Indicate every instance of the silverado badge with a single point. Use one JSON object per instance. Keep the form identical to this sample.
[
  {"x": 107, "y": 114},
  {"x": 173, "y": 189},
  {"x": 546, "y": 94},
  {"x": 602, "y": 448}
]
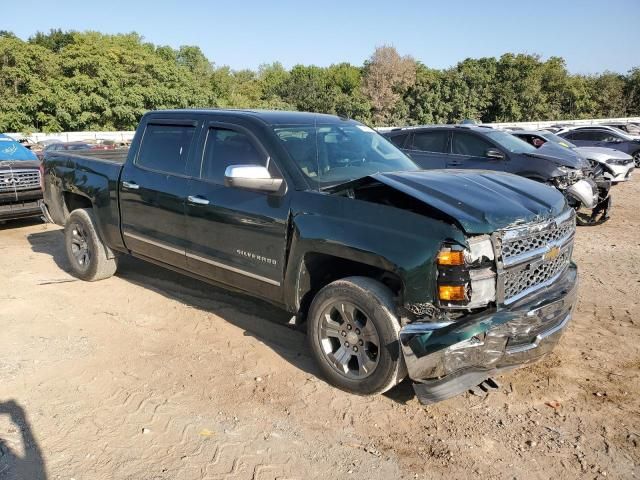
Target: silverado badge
[{"x": 552, "y": 254}]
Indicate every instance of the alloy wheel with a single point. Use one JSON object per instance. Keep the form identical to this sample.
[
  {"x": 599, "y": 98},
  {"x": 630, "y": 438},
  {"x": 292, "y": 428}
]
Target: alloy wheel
[
  {"x": 80, "y": 246},
  {"x": 349, "y": 340}
]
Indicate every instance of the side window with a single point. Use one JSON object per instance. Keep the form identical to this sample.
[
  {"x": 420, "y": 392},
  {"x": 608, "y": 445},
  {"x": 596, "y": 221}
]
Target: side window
[
  {"x": 398, "y": 140},
  {"x": 573, "y": 136},
  {"x": 431, "y": 141},
  {"x": 165, "y": 148},
  {"x": 610, "y": 137},
  {"x": 224, "y": 148},
  {"x": 469, "y": 144}
]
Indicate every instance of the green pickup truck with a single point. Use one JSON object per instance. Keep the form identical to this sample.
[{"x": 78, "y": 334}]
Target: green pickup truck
[{"x": 447, "y": 277}]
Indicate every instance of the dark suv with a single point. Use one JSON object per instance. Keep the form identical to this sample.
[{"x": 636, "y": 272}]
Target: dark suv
[
  {"x": 483, "y": 148},
  {"x": 604, "y": 137}
]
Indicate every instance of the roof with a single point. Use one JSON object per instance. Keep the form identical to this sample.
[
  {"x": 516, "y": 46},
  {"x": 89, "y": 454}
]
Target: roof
[
  {"x": 477, "y": 128},
  {"x": 273, "y": 117},
  {"x": 528, "y": 132}
]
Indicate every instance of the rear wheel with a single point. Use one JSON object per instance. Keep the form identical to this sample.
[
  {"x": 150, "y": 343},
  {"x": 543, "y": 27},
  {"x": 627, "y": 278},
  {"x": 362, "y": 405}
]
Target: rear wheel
[
  {"x": 354, "y": 336},
  {"x": 86, "y": 252}
]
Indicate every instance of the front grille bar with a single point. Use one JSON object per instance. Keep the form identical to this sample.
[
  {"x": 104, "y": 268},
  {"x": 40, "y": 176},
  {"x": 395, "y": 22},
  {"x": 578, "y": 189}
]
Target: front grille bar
[
  {"x": 19, "y": 179},
  {"x": 532, "y": 257}
]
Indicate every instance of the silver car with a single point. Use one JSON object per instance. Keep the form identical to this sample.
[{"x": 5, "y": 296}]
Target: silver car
[{"x": 617, "y": 165}]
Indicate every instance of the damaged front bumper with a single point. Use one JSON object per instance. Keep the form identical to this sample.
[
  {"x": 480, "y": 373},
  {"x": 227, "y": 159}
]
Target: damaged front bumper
[
  {"x": 620, "y": 173},
  {"x": 447, "y": 358}
]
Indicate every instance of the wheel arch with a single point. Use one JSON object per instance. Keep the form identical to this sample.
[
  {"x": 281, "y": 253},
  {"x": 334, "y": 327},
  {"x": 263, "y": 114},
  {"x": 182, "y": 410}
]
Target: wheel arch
[{"x": 318, "y": 269}]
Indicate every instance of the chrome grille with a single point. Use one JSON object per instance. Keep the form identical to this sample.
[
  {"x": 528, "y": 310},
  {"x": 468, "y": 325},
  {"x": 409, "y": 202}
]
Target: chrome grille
[
  {"x": 12, "y": 180},
  {"x": 544, "y": 273},
  {"x": 533, "y": 256},
  {"x": 518, "y": 246}
]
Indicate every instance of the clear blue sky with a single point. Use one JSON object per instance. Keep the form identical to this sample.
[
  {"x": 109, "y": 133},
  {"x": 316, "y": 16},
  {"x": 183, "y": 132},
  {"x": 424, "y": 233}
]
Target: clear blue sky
[{"x": 592, "y": 35}]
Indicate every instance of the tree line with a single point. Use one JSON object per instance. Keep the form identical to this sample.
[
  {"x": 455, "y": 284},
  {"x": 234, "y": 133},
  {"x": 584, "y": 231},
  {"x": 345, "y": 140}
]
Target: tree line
[{"x": 75, "y": 81}]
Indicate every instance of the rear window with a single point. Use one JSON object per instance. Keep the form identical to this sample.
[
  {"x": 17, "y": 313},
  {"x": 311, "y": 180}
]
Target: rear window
[
  {"x": 399, "y": 140},
  {"x": 431, "y": 141},
  {"x": 165, "y": 148}
]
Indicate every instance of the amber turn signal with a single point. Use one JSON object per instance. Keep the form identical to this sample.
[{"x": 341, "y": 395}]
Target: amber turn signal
[
  {"x": 450, "y": 257},
  {"x": 451, "y": 293}
]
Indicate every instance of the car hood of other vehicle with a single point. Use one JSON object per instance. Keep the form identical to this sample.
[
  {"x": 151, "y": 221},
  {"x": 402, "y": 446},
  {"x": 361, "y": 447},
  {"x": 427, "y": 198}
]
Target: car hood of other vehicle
[
  {"x": 10, "y": 150},
  {"x": 561, "y": 156},
  {"x": 480, "y": 201},
  {"x": 602, "y": 153}
]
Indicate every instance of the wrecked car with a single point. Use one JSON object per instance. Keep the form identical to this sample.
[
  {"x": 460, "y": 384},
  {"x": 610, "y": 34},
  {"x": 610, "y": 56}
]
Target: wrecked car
[
  {"x": 443, "y": 276},
  {"x": 480, "y": 147}
]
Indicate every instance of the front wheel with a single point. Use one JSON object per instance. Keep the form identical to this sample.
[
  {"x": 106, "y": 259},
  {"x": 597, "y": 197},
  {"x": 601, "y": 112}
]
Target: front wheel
[
  {"x": 354, "y": 336},
  {"x": 86, "y": 252},
  {"x": 636, "y": 158}
]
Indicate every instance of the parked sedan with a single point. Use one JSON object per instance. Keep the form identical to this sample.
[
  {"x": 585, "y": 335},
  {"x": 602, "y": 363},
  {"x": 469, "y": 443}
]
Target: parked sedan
[
  {"x": 64, "y": 146},
  {"x": 476, "y": 147},
  {"x": 629, "y": 127},
  {"x": 616, "y": 165},
  {"x": 602, "y": 136}
]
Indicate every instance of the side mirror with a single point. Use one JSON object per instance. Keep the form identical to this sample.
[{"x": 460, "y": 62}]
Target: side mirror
[
  {"x": 494, "y": 153},
  {"x": 251, "y": 177}
]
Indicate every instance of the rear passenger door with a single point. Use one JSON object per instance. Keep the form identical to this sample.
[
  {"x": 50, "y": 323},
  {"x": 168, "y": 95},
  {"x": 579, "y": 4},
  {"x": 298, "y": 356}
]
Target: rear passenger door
[
  {"x": 469, "y": 150},
  {"x": 429, "y": 149},
  {"x": 153, "y": 192},
  {"x": 235, "y": 236},
  {"x": 581, "y": 138}
]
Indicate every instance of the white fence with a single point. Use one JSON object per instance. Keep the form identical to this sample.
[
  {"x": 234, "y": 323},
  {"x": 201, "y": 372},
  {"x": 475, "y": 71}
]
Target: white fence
[
  {"x": 76, "y": 136},
  {"x": 547, "y": 123},
  {"x": 542, "y": 125},
  {"x": 127, "y": 136}
]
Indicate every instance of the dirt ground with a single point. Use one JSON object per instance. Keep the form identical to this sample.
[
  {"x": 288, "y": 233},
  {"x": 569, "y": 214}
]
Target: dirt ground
[{"x": 151, "y": 375}]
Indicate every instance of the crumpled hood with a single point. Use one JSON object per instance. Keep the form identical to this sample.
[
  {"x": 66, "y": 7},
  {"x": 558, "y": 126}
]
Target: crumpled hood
[
  {"x": 559, "y": 155},
  {"x": 602, "y": 153},
  {"x": 480, "y": 201}
]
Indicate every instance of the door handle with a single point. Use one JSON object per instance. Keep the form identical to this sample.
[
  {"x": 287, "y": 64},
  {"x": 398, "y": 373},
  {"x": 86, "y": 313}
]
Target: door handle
[
  {"x": 197, "y": 200},
  {"x": 454, "y": 163},
  {"x": 131, "y": 185}
]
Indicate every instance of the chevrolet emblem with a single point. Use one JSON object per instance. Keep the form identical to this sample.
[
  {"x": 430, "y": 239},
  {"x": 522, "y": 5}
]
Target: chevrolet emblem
[{"x": 551, "y": 254}]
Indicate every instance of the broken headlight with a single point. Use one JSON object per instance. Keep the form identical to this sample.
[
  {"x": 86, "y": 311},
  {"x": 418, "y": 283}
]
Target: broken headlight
[
  {"x": 466, "y": 276},
  {"x": 568, "y": 176}
]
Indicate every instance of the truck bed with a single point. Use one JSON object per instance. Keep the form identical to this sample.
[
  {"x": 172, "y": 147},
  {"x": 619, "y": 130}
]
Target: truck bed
[{"x": 85, "y": 174}]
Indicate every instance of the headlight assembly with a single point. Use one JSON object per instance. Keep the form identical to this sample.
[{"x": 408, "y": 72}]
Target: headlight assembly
[{"x": 466, "y": 276}]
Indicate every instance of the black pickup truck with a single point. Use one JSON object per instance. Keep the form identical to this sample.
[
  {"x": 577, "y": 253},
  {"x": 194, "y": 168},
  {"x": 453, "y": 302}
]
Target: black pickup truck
[{"x": 447, "y": 276}]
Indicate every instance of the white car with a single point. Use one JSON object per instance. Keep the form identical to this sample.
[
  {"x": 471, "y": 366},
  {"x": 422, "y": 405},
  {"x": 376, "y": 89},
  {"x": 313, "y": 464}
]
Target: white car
[{"x": 617, "y": 165}]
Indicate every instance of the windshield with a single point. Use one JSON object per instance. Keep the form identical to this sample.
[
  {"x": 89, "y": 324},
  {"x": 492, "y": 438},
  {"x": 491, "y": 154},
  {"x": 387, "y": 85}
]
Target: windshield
[
  {"x": 10, "y": 150},
  {"x": 552, "y": 137},
  {"x": 510, "y": 142},
  {"x": 329, "y": 154}
]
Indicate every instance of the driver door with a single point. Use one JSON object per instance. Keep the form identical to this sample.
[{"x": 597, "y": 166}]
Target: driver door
[
  {"x": 235, "y": 236},
  {"x": 469, "y": 150}
]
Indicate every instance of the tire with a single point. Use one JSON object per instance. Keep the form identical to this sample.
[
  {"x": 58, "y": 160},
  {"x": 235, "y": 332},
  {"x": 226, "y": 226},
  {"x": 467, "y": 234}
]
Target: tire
[
  {"x": 86, "y": 252},
  {"x": 351, "y": 310},
  {"x": 636, "y": 158}
]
